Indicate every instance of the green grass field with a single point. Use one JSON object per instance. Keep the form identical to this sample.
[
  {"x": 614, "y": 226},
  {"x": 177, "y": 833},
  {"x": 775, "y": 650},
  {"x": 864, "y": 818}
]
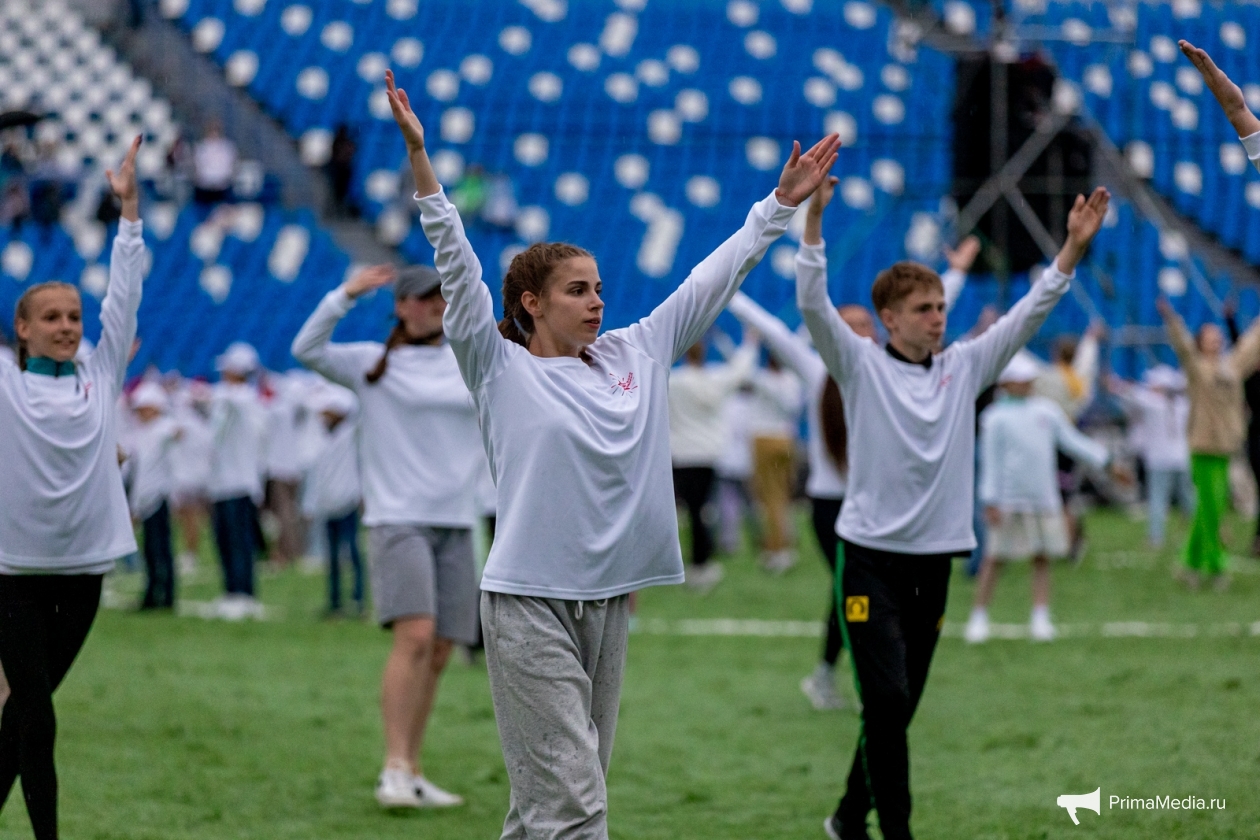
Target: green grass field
[{"x": 186, "y": 728}]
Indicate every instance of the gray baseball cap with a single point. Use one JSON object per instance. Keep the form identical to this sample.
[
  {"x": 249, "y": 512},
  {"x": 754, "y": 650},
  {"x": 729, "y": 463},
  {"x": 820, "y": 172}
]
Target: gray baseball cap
[{"x": 416, "y": 281}]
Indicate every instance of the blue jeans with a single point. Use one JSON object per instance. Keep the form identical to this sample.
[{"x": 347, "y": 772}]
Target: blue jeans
[
  {"x": 234, "y": 535},
  {"x": 344, "y": 531},
  {"x": 1161, "y": 485}
]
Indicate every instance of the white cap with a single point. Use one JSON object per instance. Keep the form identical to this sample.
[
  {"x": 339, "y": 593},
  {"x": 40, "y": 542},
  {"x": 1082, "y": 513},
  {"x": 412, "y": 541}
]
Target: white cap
[
  {"x": 149, "y": 395},
  {"x": 335, "y": 400},
  {"x": 1022, "y": 368},
  {"x": 239, "y": 358}
]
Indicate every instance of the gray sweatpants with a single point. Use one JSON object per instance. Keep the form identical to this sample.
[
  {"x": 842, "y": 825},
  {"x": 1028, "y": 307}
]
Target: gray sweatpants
[{"x": 555, "y": 678}]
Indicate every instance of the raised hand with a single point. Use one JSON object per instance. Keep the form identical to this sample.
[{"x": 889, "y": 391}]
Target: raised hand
[
  {"x": 804, "y": 172},
  {"x": 1164, "y": 307},
  {"x": 368, "y": 279},
  {"x": 1084, "y": 222},
  {"x": 1228, "y": 94},
  {"x": 123, "y": 183},
  {"x": 964, "y": 256},
  {"x": 408, "y": 122},
  {"x": 413, "y": 135}
]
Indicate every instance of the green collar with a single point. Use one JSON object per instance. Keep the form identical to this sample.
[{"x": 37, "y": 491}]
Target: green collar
[{"x": 49, "y": 367}]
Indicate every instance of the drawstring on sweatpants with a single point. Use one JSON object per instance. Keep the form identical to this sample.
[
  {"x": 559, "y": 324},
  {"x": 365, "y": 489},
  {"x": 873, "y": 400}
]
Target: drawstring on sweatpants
[{"x": 577, "y": 611}]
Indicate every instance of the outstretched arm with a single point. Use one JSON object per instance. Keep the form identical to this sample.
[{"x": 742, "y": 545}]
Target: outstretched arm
[
  {"x": 835, "y": 341},
  {"x": 1179, "y": 337},
  {"x": 126, "y": 278},
  {"x": 992, "y": 350},
  {"x": 960, "y": 261},
  {"x": 469, "y": 321},
  {"x": 1245, "y": 354},
  {"x": 1229, "y": 95},
  {"x": 684, "y": 316},
  {"x": 313, "y": 346},
  {"x": 790, "y": 348}
]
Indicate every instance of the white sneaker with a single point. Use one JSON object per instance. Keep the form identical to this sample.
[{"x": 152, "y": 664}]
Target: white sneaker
[
  {"x": 704, "y": 578},
  {"x": 977, "y": 629},
  {"x": 778, "y": 562},
  {"x": 396, "y": 788},
  {"x": 820, "y": 688},
  {"x": 1040, "y": 629},
  {"x": 432, "y": 796}
]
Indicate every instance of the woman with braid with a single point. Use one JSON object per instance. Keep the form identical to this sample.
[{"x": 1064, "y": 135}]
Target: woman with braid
[
  {"x": 64, "y": 518},
  {"x": 419, "y": 454},
  {"x": 576, "y": 426}
]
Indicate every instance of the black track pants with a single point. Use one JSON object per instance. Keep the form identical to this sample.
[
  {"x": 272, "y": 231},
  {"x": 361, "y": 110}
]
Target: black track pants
[
  {"x": 892, "y": 608},
  {"x": 44, "y": 620},
  {"x": 824, "y": 515}
]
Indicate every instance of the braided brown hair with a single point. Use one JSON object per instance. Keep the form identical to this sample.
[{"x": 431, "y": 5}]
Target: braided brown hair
[
  {"x": 22, "y": 312},
  {"x": 529, "y": 272}
]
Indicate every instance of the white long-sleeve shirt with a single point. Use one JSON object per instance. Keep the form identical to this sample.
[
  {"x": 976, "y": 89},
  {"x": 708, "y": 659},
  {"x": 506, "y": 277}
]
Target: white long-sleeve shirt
[
  {"x": 825, "y": 479},
  {"x": 238, "y": 423},
  {"x": 331, "y": 487},
  {"x": 64, "y": 510},
  {"x": 192, "y": 456},
  {"x": 419, "y": 445},
  {"x": 735, "y": 462},
  {"x": 1019, "y": 439},
  {"x": 911, "y": 426},
  {"x": 775, "y": 410},
  {"x": 148, "y": 447},
  {"x": 1252, "y": 144},
  {"x": 580, "y": 452},
  {"x": 1163, "y": 420},
  {"x": 697, "y": 394}
]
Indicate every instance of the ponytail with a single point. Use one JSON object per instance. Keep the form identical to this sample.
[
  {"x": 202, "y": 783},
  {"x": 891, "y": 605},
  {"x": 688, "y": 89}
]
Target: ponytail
[
  {"x": 529, "y": 272},
  {"x": 22, "y": 312},
  {"x": 834, "y": 429},
  {"x": 397, "y": 336}
]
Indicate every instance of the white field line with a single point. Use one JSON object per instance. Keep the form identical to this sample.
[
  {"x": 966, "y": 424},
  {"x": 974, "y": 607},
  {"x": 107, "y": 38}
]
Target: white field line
[{"x": 813, "y": 629}]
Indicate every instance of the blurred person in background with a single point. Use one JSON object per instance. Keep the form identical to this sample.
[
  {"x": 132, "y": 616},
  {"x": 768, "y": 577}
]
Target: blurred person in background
[
  {"x": 332, "y": 491},
  {"x": 192, "y": 461},
  {"x": 1160, "y": 409},
  {"x": 214, "y": 166},
  {"x": 1070, "y": 380},
  {"x": 286, "y": 414},
  {"x": 1020, "y": 435},
  {"x": 150, "y": 439},
  {"x": 341, "y": 170},
  {"x": 238, "y": 422},
  {"x": 734, "y": 470},
  {"x": 775, "y": 414},
  {"x": 697, "y": 393},
  {"x": 1215, "y": 428}
]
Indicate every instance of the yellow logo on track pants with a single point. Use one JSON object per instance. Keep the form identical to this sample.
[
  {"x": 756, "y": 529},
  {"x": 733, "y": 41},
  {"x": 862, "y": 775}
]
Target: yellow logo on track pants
[{"x": 857, "y": 608}]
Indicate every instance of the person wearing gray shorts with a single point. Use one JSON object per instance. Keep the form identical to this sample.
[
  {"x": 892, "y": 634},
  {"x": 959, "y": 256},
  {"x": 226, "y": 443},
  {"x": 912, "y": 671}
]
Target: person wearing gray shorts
[
  {"x": 576, "y": 426},
  {"x": 420, "y": 456}
]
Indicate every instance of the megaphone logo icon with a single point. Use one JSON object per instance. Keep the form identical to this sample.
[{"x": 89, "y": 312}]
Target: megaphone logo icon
[{"x": 1072, "y": 801}]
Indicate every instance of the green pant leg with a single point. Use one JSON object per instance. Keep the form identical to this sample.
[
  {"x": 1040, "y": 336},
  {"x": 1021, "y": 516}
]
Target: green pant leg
[{"x": 1204, "y": 551}]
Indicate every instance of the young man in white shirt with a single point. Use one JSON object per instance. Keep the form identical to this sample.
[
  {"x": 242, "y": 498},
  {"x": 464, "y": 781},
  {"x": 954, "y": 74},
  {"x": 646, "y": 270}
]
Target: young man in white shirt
[{"x": 908, "y": 510}]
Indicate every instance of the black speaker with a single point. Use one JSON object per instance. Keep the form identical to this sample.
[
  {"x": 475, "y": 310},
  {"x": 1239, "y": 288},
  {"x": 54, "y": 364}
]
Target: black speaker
[{"x": 981, "y": 148}]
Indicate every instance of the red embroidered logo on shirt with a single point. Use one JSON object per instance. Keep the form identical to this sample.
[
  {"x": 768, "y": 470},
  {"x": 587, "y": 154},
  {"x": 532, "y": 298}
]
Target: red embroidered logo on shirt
[
  {"x": 626, "y": 385},
  {"x": 945, "y": 380}
]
